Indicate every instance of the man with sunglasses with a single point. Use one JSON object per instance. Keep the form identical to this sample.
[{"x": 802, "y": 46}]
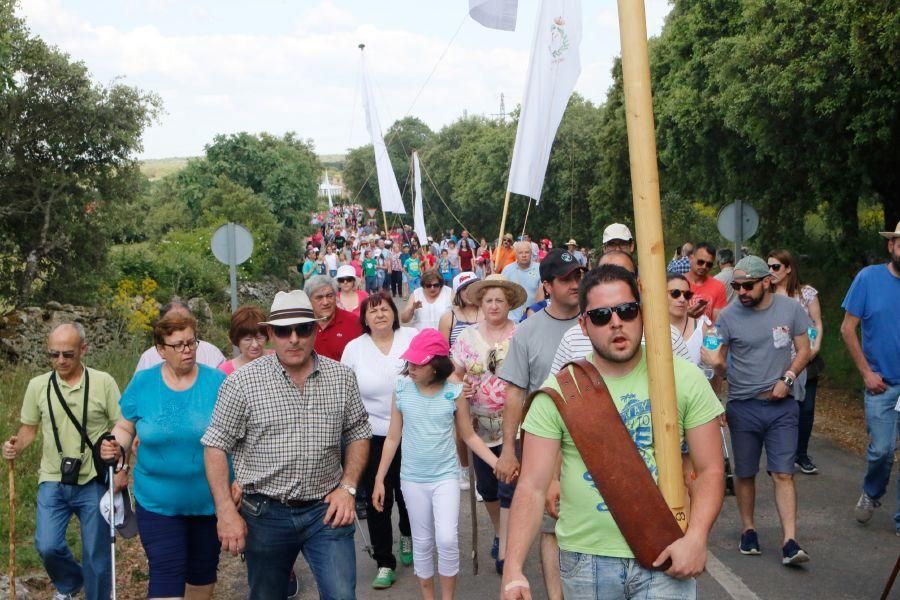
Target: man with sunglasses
[
  {"x": 92, "y": 398},
  {"x": 757, "y": 334},
  {"x": 283, "y": 418},
  {"x": 593, "y": 553},
  {"x": 709, "y": 292}
]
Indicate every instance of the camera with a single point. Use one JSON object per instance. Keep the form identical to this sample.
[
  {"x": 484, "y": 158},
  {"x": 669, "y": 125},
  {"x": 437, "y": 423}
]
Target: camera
[{"x": 69, "y": 468}]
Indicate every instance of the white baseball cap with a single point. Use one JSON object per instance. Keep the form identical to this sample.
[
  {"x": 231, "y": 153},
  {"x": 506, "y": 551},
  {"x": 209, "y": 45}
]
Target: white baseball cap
[{"x": 617, "y": 231}]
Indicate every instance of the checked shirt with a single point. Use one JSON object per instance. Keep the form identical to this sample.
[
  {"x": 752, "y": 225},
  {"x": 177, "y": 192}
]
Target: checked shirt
[{"x": 286, "y": 443}]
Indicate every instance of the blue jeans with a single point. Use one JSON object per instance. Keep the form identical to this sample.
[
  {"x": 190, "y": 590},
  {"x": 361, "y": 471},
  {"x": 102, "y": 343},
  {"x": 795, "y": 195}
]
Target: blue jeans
[
  {"x": 56, "y": 503},
  {"x": 607, "y": 578},
  {"x": 276, "y": 533},
  {"x": 882, "y": 425}
]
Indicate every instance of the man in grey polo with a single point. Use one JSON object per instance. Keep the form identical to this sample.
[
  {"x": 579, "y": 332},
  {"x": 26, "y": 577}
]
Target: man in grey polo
[
  {"x": 283, "y": 419},
  {"x": 757, "y": 333}
]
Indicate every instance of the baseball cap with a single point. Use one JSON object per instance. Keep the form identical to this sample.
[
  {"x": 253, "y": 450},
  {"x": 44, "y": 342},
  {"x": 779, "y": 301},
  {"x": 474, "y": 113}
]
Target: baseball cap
[
  {"x": 558, "y": 263},
  {"x": 617, "y": 231},
  {"x": 427, "y": 344},
  {"x": 463, "y": 279},
  {"x": 751, "y": 267}
]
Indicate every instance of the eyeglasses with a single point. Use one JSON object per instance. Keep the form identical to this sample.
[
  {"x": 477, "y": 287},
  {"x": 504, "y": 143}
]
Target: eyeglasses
[
  {"x": 627, "y": 311},
  {"x": 775, "y": 267},
  {"x": 432, "y": 285},
  {"x": 301, "y": 329},
  {"x": 745, "y": 285},
  {"x": 249, "y": 339},
  {"x": 704, "y": 263},
  {"x": 346, "y": 279},
  {"x": 180, "y": 346},
  {"x": 492, "y": 361},
  {"x": 676, "y": 294},
  {"x": 54, "y": 354}
]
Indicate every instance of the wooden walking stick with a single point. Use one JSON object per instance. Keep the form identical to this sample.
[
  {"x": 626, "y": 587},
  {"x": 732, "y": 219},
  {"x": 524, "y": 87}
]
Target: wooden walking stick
[
  {"x": 648, "y": 223},
  {"x": 12, "y": 529},
  {"x": 890, "y": 582}
]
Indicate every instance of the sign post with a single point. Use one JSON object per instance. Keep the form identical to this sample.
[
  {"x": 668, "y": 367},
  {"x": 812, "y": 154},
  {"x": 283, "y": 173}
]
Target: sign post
[
  {"x": 232, "y": 245},
  {"x": 737, "y": 222}
]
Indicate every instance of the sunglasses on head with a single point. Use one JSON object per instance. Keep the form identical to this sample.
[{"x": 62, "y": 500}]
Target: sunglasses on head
[
  {"x": 745, "y": 285},
  {"x": 301, "y": 329},
  {"x": 704, "y": 263},
  {"x": 775, "y": 266},
  {"x": 627, "y": 311},
  {"x": 676, "y": 294},
  {"x": 54, "y": 354}
]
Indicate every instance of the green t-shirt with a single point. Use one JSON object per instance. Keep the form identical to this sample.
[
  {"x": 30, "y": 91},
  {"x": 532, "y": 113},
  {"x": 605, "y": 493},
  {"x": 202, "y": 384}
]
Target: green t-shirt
[
  {"x": 369, "y": 267},
  {"x": 103, "y": 413},
  {"x": 412, "y": 266},
  {"x": 585, "y": 524}
]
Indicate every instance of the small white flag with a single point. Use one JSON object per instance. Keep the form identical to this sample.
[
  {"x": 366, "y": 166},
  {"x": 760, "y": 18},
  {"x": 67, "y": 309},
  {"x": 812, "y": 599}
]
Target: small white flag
[
  {"x": 418, "y": 215},
  {"x": 391, "y": 200},
  {"x": 552, "y": 73},
  {"x": 496, "y": 14}
]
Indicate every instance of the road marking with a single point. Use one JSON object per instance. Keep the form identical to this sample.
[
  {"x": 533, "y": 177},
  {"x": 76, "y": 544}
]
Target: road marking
[{"x": 728, "y": 579}]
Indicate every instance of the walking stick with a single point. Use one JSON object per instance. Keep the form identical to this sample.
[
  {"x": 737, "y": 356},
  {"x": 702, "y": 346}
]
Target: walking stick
[
  {"x": 112, "y": 526},
  {"x": 473, "y": 505},
  {"x": 12, "y": 529},
  {"x": 890, "y": 582}
]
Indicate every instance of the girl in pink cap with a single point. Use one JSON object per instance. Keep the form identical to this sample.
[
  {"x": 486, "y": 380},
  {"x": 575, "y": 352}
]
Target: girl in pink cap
[{"x": 423, "y": 413}]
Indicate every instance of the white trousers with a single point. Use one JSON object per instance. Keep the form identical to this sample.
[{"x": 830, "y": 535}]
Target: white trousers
[{"x": 434, "y": 520}]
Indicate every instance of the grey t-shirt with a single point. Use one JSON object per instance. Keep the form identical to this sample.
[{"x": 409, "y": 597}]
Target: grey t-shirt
[
  {"x": 759, "y": 344},
  {"x": 531, "y": 350}
]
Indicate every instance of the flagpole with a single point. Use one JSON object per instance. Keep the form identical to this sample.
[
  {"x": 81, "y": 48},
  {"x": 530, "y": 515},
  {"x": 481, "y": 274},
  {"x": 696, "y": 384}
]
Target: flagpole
[
  {"x": 502, "y": 228},
  {"x": 648, "y": 224}
]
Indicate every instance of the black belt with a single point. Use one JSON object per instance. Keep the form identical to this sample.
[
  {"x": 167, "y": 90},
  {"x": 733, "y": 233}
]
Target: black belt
[{"x": 295, "y": 503}]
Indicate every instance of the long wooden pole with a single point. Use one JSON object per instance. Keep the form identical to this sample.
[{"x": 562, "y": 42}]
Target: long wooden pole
[
  {"x": 502, "y": 230},
  {"x": 648, "y": 223},
  {"x": 12, "y": 528}
]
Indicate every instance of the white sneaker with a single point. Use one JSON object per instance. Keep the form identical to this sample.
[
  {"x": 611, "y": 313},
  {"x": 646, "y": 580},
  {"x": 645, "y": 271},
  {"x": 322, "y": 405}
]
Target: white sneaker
[
  {"x": 478, "y": 497},
  {"x": 59, "y": 596},
  {"x": 464, "y": 478}
]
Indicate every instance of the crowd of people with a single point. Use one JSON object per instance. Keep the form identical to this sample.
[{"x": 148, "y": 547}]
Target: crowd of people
[{"x": 399, "y": 366}]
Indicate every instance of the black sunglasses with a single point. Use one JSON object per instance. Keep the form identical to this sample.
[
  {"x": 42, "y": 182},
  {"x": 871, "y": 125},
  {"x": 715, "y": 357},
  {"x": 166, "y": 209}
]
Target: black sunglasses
[
  {"x": 676, "y": 294},
  {"x": 346, "y": 279},
  {"x": 775, "y": 266},
  {"x": 54, "y": 354},
  {"x": 745, "y": 285},
  {"x": 301, "y": 329},
  {"x": 704, "y": 263},
  {"x": 627, "y": 311},
  {"x": 433, "y": 285}
]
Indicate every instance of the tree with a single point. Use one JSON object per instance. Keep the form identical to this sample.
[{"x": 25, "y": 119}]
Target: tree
[{"x": 68, "y": 148}]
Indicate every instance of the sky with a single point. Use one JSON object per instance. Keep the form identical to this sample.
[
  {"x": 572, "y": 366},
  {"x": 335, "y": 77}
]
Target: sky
[{"x": 293, "y": 65}]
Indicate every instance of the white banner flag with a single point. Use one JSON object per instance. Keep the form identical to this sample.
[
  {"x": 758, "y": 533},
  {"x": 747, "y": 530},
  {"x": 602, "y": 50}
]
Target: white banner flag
[
  {"x": 496, "y": 14},
  {"x": 552, "y": 73},
  {"x": 391, "y": 200},
  {"x": 418, "y": 215}
]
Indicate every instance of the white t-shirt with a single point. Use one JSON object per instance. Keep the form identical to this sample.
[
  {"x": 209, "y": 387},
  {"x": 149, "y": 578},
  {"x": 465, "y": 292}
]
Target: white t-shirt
[
  {"x": 207, "y": 354},
  {"x": 431, "y": 312},
  {"x": 376, "y": 374},
  {"x": 331, "y": 262}
]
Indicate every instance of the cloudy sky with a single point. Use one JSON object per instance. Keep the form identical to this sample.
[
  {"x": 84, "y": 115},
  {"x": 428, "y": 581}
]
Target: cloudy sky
[{"x": 293, "y": 65}]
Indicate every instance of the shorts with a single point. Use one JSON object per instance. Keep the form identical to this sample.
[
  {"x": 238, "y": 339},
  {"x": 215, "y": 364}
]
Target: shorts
[
  {"x": 180, "y": 549},
  {"x": 487, "y": 484},
  {"x": 757, "y": 423}
]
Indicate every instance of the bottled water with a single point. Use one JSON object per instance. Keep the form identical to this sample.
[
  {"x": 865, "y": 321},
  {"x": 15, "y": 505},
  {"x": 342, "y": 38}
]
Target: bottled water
[{"x": 711, "y": 341}]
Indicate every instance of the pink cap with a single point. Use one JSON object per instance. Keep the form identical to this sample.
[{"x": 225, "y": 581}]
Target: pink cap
[{"x": 427, "y": 344}]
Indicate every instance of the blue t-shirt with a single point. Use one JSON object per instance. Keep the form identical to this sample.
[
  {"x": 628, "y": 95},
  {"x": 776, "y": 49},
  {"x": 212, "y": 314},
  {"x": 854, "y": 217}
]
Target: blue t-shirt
[
  {"x": 429, "y": 440},
  {"x": 529, "y": 278},
  {"x": 874, "y": 297},
  {"x": 170, "y": 478}
]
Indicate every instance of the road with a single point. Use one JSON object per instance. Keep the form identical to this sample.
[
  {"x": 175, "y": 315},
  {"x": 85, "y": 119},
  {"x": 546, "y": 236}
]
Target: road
[{"x": 848, "y": 560}]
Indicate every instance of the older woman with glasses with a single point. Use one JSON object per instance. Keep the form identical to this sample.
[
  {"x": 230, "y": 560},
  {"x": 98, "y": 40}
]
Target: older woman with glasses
[
  {"x": 169, "y": 406},
  {"x": 349, "y": 297},
  {"x": 477, "y": 355},
  {"x": 427, "y": 304},
  {"x": 249, "y": 337},
  {"x": 375, "y": 359}
]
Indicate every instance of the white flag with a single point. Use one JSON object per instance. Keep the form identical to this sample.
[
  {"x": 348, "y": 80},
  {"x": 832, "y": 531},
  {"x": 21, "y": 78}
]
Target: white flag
[
  {"x": 418, "y": 215},
  {"x": 496, "y": 14},
  {"x": 552, "y": 73},
  {"x": 387, "y": 182}
]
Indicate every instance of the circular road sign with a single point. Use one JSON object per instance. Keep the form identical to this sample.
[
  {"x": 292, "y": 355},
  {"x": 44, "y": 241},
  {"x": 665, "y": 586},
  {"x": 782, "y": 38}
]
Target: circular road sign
[
  {"x": 232, "y": 234},
  {"x": 727, "y": 221}
]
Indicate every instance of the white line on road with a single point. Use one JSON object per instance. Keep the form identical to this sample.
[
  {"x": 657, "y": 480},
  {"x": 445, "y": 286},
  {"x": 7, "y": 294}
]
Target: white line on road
[{"x": 728, "y": 579}]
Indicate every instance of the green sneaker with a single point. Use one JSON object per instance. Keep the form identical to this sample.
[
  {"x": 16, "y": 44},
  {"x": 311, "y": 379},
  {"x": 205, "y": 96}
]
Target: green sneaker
[
  {"x": 384, "y": 579},
  {"x": 406, "y": 550}
]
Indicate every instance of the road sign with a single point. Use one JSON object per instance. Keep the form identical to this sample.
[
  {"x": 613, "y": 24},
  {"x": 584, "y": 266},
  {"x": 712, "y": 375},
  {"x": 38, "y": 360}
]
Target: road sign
[
  {"x": 232, "y": 244},
  {"x": 737, "y": 222}
]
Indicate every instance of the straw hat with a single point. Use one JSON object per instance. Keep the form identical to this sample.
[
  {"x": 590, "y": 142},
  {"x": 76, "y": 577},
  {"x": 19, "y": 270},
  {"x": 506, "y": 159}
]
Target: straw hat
[
  {"x": 477, "y": 289},
  {"x": 290, "y": 308},
  {"x": 891, "y": 234}
]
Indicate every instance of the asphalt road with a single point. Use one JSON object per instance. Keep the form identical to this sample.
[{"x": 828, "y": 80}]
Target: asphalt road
[{"x": 848, "y": 560}]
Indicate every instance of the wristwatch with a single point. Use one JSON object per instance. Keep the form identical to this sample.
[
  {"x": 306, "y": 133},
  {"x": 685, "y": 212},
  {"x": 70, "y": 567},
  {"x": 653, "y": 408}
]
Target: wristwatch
[
  {"x": 350, "y": 489},
  {"x": 788, "y": 380}
]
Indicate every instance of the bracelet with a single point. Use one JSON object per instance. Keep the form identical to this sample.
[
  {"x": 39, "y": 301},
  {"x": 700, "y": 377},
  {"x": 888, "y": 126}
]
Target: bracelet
[{"x": 516, "y": 583}]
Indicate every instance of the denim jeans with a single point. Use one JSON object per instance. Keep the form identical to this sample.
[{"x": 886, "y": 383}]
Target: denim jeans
[
  {"x": 276, "y": 533},
  {"x": 607, "y": 578},
  {"x": 56, "y": 503},
  {"x": 882, "y": 425}
]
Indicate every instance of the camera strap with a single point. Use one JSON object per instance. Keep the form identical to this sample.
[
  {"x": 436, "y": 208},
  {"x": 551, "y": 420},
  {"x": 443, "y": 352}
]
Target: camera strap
[{"x": 82, "y": 430}]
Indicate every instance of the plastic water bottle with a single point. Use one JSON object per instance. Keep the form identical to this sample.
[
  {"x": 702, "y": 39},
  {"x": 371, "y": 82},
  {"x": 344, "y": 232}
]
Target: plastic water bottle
[{"x": 711, "y": 341}]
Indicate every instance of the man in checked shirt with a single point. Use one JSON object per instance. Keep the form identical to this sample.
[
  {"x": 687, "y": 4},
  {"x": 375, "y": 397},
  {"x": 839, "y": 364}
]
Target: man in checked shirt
[{"x": 283, "y": 418}]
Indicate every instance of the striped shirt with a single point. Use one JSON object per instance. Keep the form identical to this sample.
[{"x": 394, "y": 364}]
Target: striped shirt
[
  {"x": 575, "y": 345},
  {"x": 429, "y": 442},
  {"x": 286, "y": 442}
]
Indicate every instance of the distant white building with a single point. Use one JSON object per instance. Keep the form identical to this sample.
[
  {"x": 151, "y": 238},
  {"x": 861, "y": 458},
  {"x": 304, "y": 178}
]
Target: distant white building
[{"x": 330, "y": 190}]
